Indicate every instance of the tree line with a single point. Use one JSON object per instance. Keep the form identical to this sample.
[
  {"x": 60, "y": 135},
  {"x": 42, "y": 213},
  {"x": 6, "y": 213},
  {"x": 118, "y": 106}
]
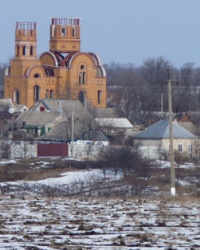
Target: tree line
[
  {"x": 138, "y": 90},
  {"x": 3, "y": 67}
]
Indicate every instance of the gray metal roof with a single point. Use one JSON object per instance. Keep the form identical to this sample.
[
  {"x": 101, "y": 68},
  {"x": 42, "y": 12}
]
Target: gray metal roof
[
  {"x": 109, "y": 113},
  {"x": 95, "y": 135},
  {"x": 160, "y": 130},
  {"x": 62, "y": 104},
  {"x": 60, "y": 132},
  {"x": 123, "y": 123},
  {"x": 57, "y": 133},
  {"x": 37, "y": 118}
]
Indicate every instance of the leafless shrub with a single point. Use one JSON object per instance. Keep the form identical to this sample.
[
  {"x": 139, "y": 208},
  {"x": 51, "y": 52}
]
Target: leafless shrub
[
  {"x": 181, "y": 158},
  {"x": 127, "y": 160}
]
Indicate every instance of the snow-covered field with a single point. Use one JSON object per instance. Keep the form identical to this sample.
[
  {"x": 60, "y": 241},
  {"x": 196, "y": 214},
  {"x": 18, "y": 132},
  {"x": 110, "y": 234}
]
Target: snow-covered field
[
  {"x": 42, "y": 223},
  {"x": 34, "y": 222}
]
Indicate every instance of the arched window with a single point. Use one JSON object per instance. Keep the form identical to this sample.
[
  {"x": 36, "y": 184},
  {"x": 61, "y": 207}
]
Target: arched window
[
  {"x": 82, "y": 67},
  {"x": 36, "y": 75},
  {"x": 36, "y": 93},
  {"x": 74, "y": 31},
  {"x": 63, "y": 31},
  {"x": 82, "y": 75},
  {"x": 47, "y": 93},
  {"x": 17, "y": 50},
  {"x": 82, "y": 97},
  {"x": 16, "y": 96},
  {"x": 51, "y": 94},
  {"x": 24, "y": 50},
  {"x": 31, "y": 51},
  {"x": 99, "y": 96},
  {"x": 80, "y": 78}
]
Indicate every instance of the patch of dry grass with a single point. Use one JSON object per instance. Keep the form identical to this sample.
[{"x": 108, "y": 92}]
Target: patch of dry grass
[
  {"x": 39, "y": 169},
  {"x": 33, "y": 170}
]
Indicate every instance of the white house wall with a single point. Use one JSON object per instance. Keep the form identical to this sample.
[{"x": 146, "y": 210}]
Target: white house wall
[
  {"x": 184, "y": 142},
  {"x": 80, "y": 151},
  {"x": 149, "y": 152},
  {"x": 23, "y": 150},
  {"x": 152, "y": 148}
]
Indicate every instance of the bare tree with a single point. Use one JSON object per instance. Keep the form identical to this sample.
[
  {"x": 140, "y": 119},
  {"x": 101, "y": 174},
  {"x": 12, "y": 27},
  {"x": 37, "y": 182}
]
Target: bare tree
[
  {"x": 126, "y": 159},
  {"x": 2, "y": 73},
  {"x": 139, "y": 89}
]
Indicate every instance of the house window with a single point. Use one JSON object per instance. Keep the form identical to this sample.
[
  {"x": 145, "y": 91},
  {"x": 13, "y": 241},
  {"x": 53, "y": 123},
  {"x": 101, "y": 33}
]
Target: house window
[
  {"x": 99, "y": 96},
  {"x": 190, "y": 148},
  {"x": 180, "y": 148},
  {"x": 47, "y": 93}
]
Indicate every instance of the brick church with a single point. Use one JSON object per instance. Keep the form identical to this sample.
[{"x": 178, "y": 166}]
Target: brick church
[{"x": 64, "y": 72}]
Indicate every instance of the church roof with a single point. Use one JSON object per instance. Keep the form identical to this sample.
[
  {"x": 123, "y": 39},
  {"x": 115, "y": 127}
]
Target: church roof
[{"x": 160, "y": 130}]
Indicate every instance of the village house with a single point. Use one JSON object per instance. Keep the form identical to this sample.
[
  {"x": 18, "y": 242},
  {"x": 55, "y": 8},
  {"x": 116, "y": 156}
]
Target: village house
[
  {"x": 114, "y": 123},
  {"x": 49, "y": 121},
  {"x": 155, "y": 140}
]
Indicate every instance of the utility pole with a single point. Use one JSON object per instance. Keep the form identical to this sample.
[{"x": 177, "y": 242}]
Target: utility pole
[
  {"x": 173, "y": 189},
  {"x": 162, "y": 110},
  {"x": 72, "y": 136}
]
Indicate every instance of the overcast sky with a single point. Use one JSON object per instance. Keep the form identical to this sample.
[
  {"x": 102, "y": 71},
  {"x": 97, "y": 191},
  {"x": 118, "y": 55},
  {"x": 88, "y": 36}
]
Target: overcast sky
[{"x": 124, "y": 31}]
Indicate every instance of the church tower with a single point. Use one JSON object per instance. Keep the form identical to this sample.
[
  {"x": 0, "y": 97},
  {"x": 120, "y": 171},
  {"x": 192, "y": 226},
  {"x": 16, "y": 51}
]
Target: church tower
[
  {"x": 65, "y": 35},
  {"x": 25, "y": 41},
  {"x": 16, "y": 85}
]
